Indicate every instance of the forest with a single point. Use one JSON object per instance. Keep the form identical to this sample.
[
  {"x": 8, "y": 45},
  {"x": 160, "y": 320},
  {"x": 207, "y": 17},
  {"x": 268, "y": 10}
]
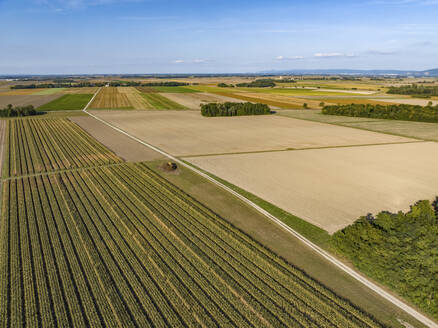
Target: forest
[
  {"x": 395, "y": 112},
  {"x": 234, "y": 109},
  {"x": 415, "y": 90},
  {"x": 10, "y": 111},
  {"x": 399, "y": 250}
]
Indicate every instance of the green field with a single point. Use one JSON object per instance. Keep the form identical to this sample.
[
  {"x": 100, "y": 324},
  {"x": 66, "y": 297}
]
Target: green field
[
  {"x": 50, "y": 91},
  {"x": 174, "y": 89},
  {"x": 67, "y": 102},
  {"x": 41, "y": 145},
  {"x": 158, "y": 101}
]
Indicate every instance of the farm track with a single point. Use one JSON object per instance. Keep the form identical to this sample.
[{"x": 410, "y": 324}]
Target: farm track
[
  {"x": 122, "y": 246},
  {"x": 324, "y": 254}
]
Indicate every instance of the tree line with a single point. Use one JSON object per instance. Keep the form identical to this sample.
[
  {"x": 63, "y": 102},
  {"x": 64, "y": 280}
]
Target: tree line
[
  {"x": 10, "y": 111},
  {"x": 259, "y": 83},
  {"x": 414, "y": 90},
  {"x": 399, "y": 250},
  {"x": 234, "y": 109},
  {"x": 402, "y": 112},
  {"x": 99, "y": 84}
]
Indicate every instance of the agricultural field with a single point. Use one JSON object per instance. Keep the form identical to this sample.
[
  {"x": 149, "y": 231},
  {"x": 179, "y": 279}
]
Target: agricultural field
[
  {"x": 26, "y": 99},
  {"x": 84, "y": 90},
  {"x": 418, "y": 130},
  {"x": 111, "y": 98},
  {"x": 135, "y": 98},
  {"x": 332, "y": 187},
  {"x": 51, "y": 91},
  {"x": 42, "y": 145},
  {"x": 195, "y": 100},
  {"x": 67, "y": 102},
  {"x": 122, "y": 246},
  {"x": 189, "y": 133},
  {"x": 165, "y": 89},
  {"x": 159, "y": 101},
  {"x": 409, "y": 101}
]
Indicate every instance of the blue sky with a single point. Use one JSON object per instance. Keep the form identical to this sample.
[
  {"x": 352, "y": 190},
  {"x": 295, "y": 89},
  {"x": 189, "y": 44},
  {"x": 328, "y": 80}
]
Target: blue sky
[{"x": 166, "y": 36}]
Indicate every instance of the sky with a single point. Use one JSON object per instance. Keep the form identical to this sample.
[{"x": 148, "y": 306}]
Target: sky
[{"x": 209, "y": 36}]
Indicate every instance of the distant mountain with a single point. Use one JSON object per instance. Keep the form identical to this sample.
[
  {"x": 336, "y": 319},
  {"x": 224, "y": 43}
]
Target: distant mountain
[{"x": 431, "y": 72}]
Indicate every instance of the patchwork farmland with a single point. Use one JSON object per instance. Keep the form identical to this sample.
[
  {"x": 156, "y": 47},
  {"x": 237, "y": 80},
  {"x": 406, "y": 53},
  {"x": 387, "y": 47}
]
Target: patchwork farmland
[
  {"x": 120, "y": 245},
  {"x": 110, "y": 97}
]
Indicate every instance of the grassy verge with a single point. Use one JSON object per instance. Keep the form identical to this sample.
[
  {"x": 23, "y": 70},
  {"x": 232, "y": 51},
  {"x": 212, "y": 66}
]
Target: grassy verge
[
  {"x": 158, "y": 101},
  {"x": 67, "y": 102}
]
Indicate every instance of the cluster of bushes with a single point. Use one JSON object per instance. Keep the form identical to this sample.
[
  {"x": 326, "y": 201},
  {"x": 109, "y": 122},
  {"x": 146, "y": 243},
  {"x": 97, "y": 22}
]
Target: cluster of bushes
[
  {"x": 260, "y": 83},
  {"x": 415, "y": 90},
  {"x": 224, "y": 85},
  {"x": 395, "y": 112},
  {"x": 400, "y": 250},
  {"x": 234, "y": 109},
  {"x": 10, "y": 111}
]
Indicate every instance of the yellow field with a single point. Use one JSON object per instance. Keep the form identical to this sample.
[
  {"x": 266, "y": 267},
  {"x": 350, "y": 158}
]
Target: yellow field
[
  {"x": 135, "y": 98},
  {"x": 86, "y": 90},
  {"x": 276, "y": 100},
  {"x": 110, "y": 97}
]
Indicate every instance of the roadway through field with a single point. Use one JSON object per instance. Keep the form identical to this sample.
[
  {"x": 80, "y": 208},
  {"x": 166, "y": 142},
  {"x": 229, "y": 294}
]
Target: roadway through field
[{"x": 339, "y": 264}]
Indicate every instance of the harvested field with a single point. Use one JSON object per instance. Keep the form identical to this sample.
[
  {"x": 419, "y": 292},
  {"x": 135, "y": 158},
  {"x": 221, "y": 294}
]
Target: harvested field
[
  {"x": 123, "y": 146},
  {"x": 332, "y": 187},
  {"x": 86, "y": 90},
  {"x": 158, "y": 101},
  {"x": 25, "y": 100},
  {"x": 67, "y": 102},
  {"x": 347, "y": 101},
  {"x": 408, "y": 101},
  {"x": 166, "y": 89},
  {"x": 195, "y": 100},
  {"x": 20, "y": 92},
  {"x": 280, "y": 101},
  {"x": 135, "y": 98},
  {"x": 419, "y": 130},
  {"x": 109, "y": 98},
  {"x": 189, "y": 133},
  {"x": 147, "y": 89}
]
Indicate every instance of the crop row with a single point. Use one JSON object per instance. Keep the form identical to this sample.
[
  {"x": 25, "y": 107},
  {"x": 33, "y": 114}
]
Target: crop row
[
  {"x": 41, "y": 145},
  {"x": 121, "y": 246}
]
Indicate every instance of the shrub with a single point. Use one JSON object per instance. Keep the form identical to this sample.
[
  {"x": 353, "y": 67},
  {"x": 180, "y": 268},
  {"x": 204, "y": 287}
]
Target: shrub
[{"x": 234, "y": 109}]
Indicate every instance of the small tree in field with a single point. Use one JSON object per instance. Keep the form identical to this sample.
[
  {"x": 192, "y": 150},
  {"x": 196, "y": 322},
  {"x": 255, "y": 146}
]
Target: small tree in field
[
  {"x": 321, "y": 104},
  {"x": 305, "y": 106}
]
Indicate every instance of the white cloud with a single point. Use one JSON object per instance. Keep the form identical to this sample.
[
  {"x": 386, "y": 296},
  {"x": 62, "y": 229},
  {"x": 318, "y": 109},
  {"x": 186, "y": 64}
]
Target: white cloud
[
  {"x": 289, "y": 58},
  {"x": 191, "y": 61},
  {"x": 178, "y": 61}
]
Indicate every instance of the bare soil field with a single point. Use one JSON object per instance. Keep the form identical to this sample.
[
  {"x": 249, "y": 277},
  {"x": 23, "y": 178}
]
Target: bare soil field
[
  {"x": 195, "y": 100},
  {"x": 135, "y": 98},
  {"x": 332, "y": 187},
  {"x": 110, "y": 97},
  {"x": 408, "y": 101},
  {"x": 277, "y": 100},
  {"x": 24, "y": 100},
  {"x": 184, "y": 133},
  {"x": 19, "y": 92},
  {"x": 123, "y": 146}
]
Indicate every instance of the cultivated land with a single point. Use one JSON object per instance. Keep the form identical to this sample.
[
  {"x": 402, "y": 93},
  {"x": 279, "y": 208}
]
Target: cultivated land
[
  {"x": 111, "y": 98},
  {"x": 121, "y": 145},
  {"x": 419, "y": 130},
  {"x": 118, "y": 245},
  {"x": 42, "y": 145},
  {"x": 189, "y": 133},
  {"x": 135, "y": 98},
  {"x": 67, "y": 102},
  {"x": 25, "y": 100},
  {"x": 196, "y": 99},
  {"x": 409, "y": 101},
  {"x": 159, "y": 101}
]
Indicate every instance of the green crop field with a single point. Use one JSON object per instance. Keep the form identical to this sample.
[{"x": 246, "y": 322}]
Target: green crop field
[
  {"x": 67, "y": 102},
  {"x": 40, "y": 145},
  {"x": 158, "y": 101},
  {"x": 121, "y": 245},
  {"x": 174, "y": 89},
  {"x": 50, "y": 91}
]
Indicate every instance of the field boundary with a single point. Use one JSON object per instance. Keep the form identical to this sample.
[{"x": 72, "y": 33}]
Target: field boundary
[{"x": 380, "y": 291}]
